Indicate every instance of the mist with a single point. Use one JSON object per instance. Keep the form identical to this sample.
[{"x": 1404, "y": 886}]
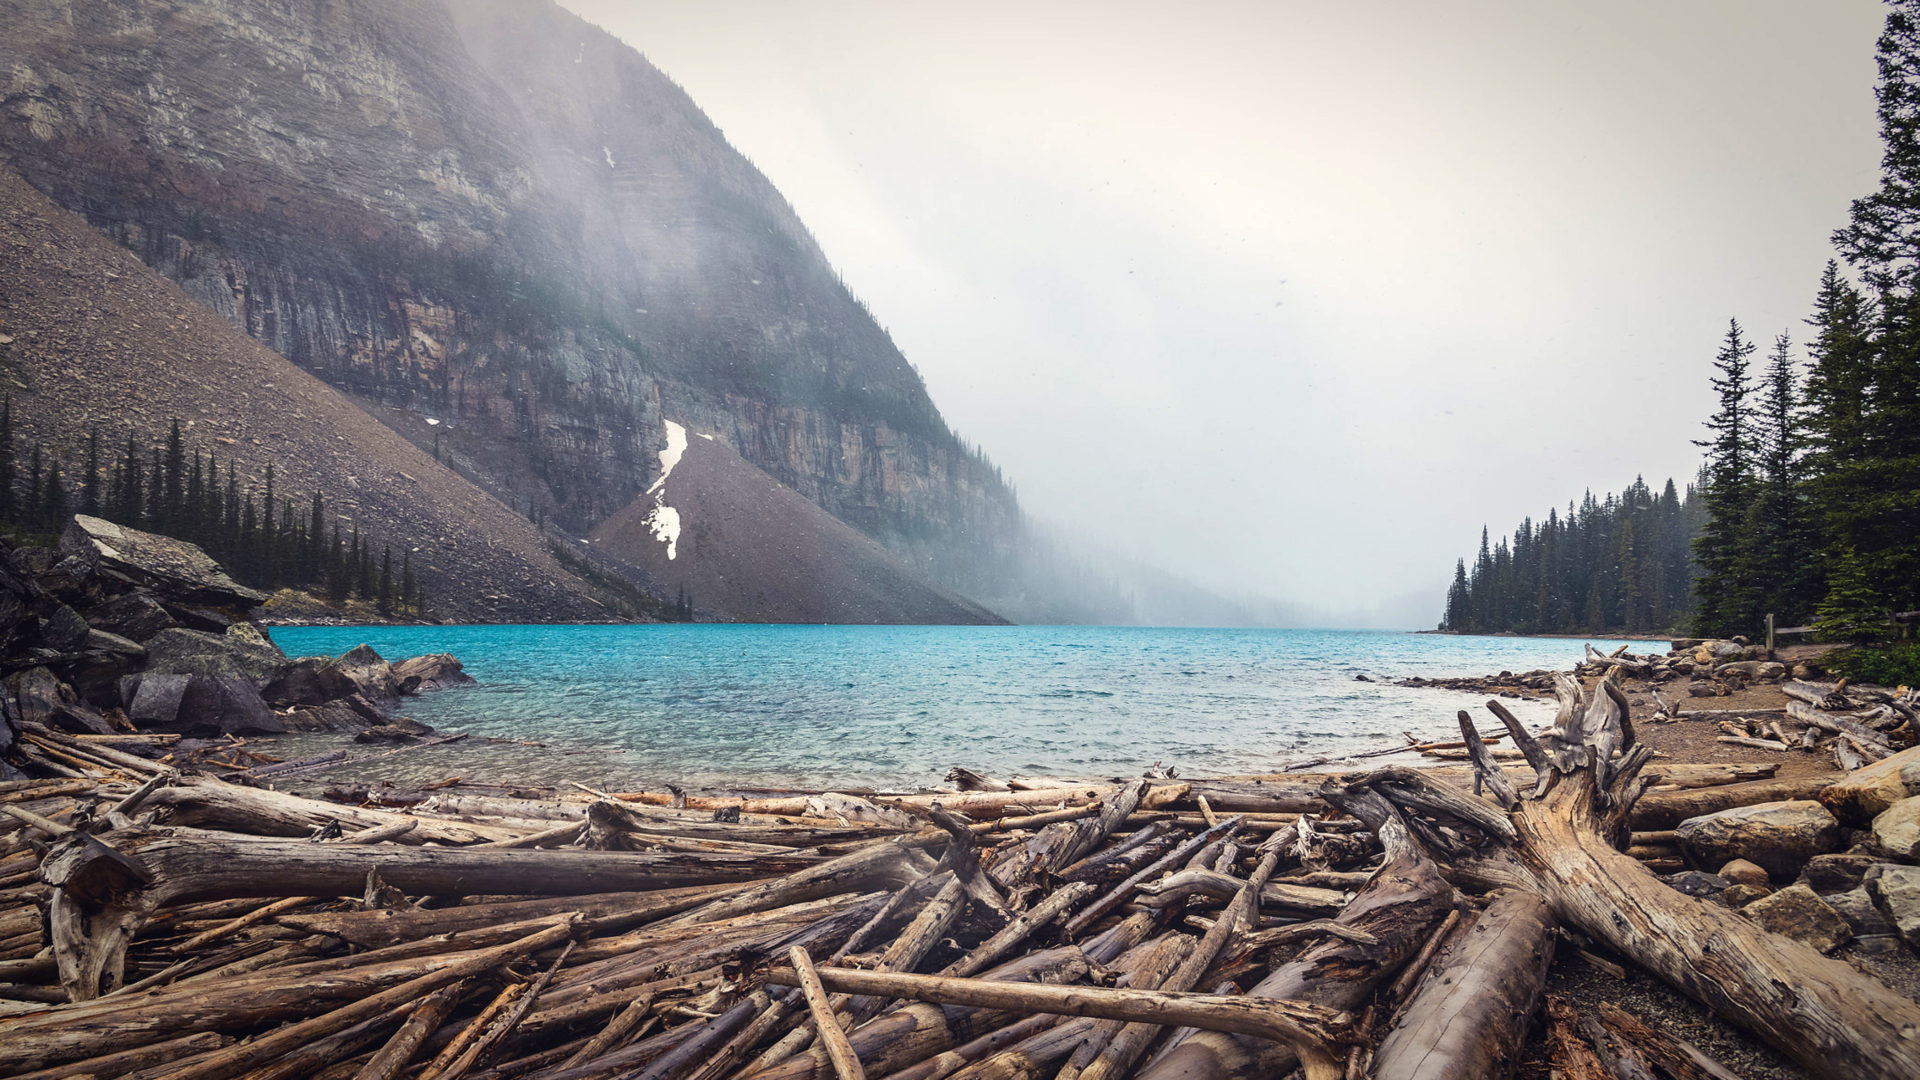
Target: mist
[{"x": 1288, "y": 299}]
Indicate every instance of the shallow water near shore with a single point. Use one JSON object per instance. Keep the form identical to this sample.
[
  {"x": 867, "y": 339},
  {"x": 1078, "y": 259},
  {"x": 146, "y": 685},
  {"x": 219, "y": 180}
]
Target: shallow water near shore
[{"x": 895, "y": 707}]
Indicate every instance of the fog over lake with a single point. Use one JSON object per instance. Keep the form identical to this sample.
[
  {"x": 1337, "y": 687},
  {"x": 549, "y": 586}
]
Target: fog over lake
[{"x": 1290, "y": 298}]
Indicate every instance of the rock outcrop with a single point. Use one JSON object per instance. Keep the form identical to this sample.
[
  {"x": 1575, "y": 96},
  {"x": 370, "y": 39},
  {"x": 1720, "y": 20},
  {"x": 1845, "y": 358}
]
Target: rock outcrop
[
  {"x": 99, "y": 342},
  {"x": 65, "y": 674}
]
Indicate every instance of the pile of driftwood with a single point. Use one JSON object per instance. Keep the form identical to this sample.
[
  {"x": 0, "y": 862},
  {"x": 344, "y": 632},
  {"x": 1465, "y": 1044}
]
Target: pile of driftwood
[{"x": 1392, "y": 923}]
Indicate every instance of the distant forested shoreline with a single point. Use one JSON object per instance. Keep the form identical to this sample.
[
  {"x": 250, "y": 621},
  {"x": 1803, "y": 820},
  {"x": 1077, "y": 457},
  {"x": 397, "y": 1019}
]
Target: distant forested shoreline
[{"x": 1808, "y": 505}]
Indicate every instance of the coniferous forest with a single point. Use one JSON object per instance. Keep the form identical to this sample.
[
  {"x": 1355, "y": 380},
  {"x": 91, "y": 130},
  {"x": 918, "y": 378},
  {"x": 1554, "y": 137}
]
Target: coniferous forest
[
  {"x": 1808, "y": 504},
  {"x": 1618, "y": 564},
  {"x": 264, "y": 538}
]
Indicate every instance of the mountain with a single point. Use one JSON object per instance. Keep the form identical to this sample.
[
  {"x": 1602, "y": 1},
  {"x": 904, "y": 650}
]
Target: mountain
[
  {"x": 492, "y": 215},
  {"x": 727, "y": 536},
  {"x": 92, "y": 340}
]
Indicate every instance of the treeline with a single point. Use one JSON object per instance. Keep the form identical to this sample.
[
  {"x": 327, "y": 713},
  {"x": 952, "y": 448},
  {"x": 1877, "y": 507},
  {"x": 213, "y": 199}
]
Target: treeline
[
  {"x": 1813, "y": 477},
  {"x": 1618, "y": 564},
  {"x": 265, "y": 540}
]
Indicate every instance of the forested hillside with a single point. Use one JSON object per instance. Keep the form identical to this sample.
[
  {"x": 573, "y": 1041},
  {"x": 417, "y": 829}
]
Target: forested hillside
[{"x": 1618, "y": 564}]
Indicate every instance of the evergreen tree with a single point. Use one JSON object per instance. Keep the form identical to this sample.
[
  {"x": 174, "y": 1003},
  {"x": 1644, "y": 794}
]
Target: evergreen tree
[
  {"x": 156, "y": 519},
  {"x": 30, "y": 502},
  {"x": 339, "y": 583},
  {"x": 385, "y": 602},
  {"x": 1852, "y": 610},
  {"x": 409, "y": 586},
  {"x": 1779, "y": 534},
  {"x": 8, "y": 507},
  {"x": 173, "y": 508},
  {"x": 1728, "y": 593},
  {"x": 126, "y": 509},
  {"x": 53, "y": 501},
  {"x": 1458, "y": 599},
  {"x": 90, "y": 494}
]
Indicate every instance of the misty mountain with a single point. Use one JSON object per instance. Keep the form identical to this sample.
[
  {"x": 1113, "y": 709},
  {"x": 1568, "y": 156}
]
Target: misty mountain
[{"x": 492, "y": 215}]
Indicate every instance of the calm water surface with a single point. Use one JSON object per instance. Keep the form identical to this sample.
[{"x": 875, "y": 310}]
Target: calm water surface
[{"x": 896, "y": 707}]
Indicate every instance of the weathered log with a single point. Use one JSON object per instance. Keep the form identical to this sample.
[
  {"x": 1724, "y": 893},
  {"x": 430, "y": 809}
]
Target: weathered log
[
  {"x": 1821, "y": 1012},
  {"x": 1658, "y": 810},
  {"x": 1680, "y": 1059},
  {"x": 600, "y": 911},
  {"x": 387, "y": 1062},
  {"x": 1124, "y": 891},
  {"x": 846, "y": 1063},
  {"x": 1468, "y": 1018},
  {"x": 1241, "y": 913},
  {"x": 1280, "y": 895},
  {"x": 903, "y": 1036},
  {"x": 1311, "y": 1029},
  {"x": 1838, "y": 723},
  {"x": 213, "y": 803},
  {"x": 1061, "y": 845},
  {"x": 38, "y": 1041},
  {"x": 1399, "y": 907}
]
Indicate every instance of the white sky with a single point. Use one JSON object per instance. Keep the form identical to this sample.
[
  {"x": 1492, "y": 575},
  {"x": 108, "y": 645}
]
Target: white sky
[{"x": 1326, "y": 284}]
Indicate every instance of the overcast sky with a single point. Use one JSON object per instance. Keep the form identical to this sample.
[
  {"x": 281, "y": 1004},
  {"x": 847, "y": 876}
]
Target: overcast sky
[{"x": 1290, "y": 298}]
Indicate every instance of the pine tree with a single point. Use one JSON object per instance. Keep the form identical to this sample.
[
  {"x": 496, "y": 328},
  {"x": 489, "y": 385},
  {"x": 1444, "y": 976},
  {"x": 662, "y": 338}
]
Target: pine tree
[
  {"x": 385, "y": 602},
  {"x": 1458, "y": 598},
  {"x": 1853, "y": 610},
  {"x": 53, "y": 501},
  {"x": 1728, "y": 593},
  {"x": 338, "y": 582},
  {"x": 409, "y": 587},
  {"x": 126, "y": 509},
  {"x": 173, "y": 508},
  {"x": 30, "y": 501},
  {"x": 156, "y": 494},
  {"x": 90, "y": 495},
  {"x": 8, "y": 508},
  {"x": 1779, "y": 535}
]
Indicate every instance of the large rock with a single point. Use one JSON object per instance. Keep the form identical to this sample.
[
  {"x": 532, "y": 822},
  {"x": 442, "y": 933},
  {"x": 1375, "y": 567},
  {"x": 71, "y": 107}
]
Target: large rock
[
  {"x": 1856, "y": 906},
  {"x": 1780, "y": 836},
  {"x": 1753, "y": 669},
  {"x": 40, "y": 698},
  {"x": 1896, "y": 831},
  {"x": 1842, "y": 872},
  {"x": 175, "y": 568},
  {"x": 1865, "y": 793},
  {"x": 361, "y": 671},
  {"x": 299, "y": 683},
  {"x": 1896, "y": 892},
  {"x": 190, "y": 652},
  {"x": 1798, "y": 913},
  {"x": 425, "y": 674},
  {"x": 203, "y": 705}
]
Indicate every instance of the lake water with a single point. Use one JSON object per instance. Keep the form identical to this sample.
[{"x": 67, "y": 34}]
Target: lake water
[{"x": 896, "y": 707}]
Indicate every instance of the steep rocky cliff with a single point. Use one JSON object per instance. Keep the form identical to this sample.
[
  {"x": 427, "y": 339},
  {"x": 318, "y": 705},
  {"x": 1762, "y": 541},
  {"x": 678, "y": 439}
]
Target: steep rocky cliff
[
  {"x": 490, "y": 214},
  {"x": 93, "y": 341}
]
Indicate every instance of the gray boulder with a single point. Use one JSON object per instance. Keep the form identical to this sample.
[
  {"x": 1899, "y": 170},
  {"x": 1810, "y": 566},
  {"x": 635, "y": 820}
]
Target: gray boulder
[
  {"x": 298, "y": 683},
  {"x": 1896, "y": 830},
  {"x": 63, "y": 630},
  {"x": 180, "y": 651},
  {"x": 1780, "y": 836},
  {"x": 203, "y": 705},
  {"x": 1753, "y": 669},
  {"x": 1896, "y": 892},
  {"x": 175, "y": 568},
  {"x": 361, "y": 671},
  {"x": 136, "y": 616},
  {"x": 40, "y": 698},
  {"x": 1856, "y": 906},
  {"x": 1798, "y": 913},
  {"x": 425, "y": 674}
]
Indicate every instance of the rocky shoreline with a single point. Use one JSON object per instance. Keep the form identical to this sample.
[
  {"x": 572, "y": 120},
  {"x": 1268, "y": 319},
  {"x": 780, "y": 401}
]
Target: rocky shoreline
[{"x": 120, "y": 632}]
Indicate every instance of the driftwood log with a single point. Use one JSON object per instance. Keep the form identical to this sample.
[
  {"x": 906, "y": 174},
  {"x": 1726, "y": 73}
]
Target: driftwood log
[{"x": 1561, "y": 841}]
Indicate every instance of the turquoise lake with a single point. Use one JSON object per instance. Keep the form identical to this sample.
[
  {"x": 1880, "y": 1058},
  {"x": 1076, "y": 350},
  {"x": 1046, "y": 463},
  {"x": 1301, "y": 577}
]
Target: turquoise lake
[{"x": 896, "y": 707}]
